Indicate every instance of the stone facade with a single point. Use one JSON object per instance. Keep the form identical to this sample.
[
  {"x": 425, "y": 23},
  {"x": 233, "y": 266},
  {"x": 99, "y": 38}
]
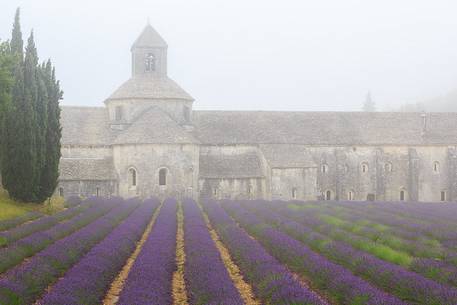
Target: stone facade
[{"x": 148, "y": 141}]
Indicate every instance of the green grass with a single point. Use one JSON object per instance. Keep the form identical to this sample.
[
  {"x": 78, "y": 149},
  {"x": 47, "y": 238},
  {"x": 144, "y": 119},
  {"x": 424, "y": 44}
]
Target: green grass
[{"x": 11, "y": 209}]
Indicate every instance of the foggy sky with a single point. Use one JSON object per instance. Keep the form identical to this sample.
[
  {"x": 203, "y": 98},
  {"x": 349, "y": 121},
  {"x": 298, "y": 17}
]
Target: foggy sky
[{"x": 253, "y": 54}]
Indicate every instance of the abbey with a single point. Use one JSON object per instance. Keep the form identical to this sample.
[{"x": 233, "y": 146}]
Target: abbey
[{"x": 148, "y": 140}]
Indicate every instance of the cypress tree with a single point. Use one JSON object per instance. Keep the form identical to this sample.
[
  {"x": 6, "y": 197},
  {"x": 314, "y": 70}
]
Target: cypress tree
[
  {"x": 31, "y": 129},
  {"x": 17, "y": 44},
  {"x": 10, "y": 123},
  {"x": 50, "y": 171},
  {"x": 23, "y": 164}
]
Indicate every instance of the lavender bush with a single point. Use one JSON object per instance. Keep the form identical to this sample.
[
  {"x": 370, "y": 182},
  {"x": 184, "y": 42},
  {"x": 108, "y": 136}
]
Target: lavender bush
[
  {"x": 35, "y": 242},
  {"x": 24, "y": 283},
  {"x": 271, "y": 281},
  {"x": 87, "y": 281},
  {"x": 407, "y": 285},
  {"x": 207, "y": 279},
  {"x": 42, "y": 223},
  {"x": 340, "y": 283},
  {"x": 14, "y": 222},
  {"x": 150, "y": 279}
]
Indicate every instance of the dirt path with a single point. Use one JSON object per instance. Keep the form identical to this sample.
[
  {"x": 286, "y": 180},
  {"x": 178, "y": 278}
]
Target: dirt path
[{"x": 179, "y": 285}]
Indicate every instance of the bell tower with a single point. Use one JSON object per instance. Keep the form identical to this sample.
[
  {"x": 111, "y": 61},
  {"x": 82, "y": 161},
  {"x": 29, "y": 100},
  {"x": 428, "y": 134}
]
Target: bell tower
[{"x": 149, "y": 54}]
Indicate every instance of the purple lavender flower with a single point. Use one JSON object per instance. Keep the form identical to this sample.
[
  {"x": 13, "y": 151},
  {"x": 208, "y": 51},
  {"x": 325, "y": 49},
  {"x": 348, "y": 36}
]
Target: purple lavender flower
[
  {"x": 150, "y": 279},
  {"x": 207, "y": 279},
  {"x": 87, "y": 281},
  {"x": 271, "y": 281}
]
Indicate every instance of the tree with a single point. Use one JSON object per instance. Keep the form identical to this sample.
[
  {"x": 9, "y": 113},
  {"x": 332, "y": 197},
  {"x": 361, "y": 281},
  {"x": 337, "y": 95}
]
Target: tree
[
  {"x": 31, "y": 129},
  {"x": 369, "y": 105},
  {"x": 50, "y": 171}
]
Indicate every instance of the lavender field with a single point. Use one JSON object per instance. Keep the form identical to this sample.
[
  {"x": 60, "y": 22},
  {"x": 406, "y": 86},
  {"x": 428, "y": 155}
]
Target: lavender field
[{"x": 116, "y": 251}]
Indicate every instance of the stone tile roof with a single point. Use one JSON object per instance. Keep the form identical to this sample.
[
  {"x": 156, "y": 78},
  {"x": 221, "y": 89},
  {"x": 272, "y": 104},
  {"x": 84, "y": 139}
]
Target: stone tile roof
[
  {"x": 287, "y": 156},
  {"x": 149, "y": 38},
  {"x": 324, "y": 128},
  {"x": 86, "y": 126},
  {"x": 87, "y": 169},
  {"x": 149, "y": 87},
  {"x": 245, "y": 165},
  {"x": 155, "y": 127}
]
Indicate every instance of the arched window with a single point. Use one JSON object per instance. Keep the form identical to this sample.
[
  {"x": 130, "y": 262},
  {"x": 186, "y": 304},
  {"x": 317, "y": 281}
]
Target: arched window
[
  {"x": 294, "y": 193},
  {"x": 351, "y": 195},
  {"x": 215, "y": 192},
  {"x": 328, "y": 195},
  {"x": 97, "y": 192},
  {"x": 132, "y": 178},
  {"x": 119, "y": 113},
  {"x": 388, "y": 167},
  {"x": 163, "y": 176},
  {"x": 402, "y": 195},
  {"x": 61, "y": 192},
  {"x": 443, "y": 196},
  {"x": 324, "y": 168},
  {"x": 150, "y": 62},
  {"x": 364, "y": 167},
  {"x": 436, "y": 167}
]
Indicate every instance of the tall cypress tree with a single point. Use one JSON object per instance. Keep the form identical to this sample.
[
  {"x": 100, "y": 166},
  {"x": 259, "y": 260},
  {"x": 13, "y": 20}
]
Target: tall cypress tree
[
  {"x": 11, "y": 124},
  {"x": 50, "y": 172},
  {"x": 24, "y": 161},
  {"x": 31, "y": 131}
]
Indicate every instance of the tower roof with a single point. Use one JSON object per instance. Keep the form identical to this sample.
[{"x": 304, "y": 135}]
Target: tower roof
[{"x": 149, "y": 38}]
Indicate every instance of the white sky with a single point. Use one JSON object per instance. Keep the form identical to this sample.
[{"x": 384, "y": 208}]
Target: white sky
[{"x": 254, "y": 54}]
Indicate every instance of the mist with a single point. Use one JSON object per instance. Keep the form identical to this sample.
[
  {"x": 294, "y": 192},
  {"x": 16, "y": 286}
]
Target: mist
[{"x": 258, "y": 55}]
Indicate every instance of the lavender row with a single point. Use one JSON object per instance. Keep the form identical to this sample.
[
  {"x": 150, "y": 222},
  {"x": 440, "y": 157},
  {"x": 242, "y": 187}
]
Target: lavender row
[
  {"x": 207, "y": 279},
  {"x": 36, "y": 242},
  {"x": 40, "y": 224},
  {"x": 25, "y": 283},
  {"x": 443, "y": 271},
  {"x": 338, "y": 282},
  {"x": 271, "y": 281},
  {"x": 87, "y": 281},
  {"x": 14, "y": 222},
  {"x": 150, "y": 279},
  {"x": 406, "y": 285}
]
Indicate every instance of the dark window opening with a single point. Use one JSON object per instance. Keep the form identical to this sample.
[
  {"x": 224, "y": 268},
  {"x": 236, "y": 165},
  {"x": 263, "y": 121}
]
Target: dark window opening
[
  {"x": 97, "y": 192},
  {"x": 61, "y": 193},
  {"x": 402, "y": 195},
  {"x": 132, "y": 177},
  {"x": 294, "y": 193},
  {"x": 163, "y": 176},
  {"x": 150, "y": 62},
  {"x": 328, "y": 195},
  {"x": 443, "y": 196}
]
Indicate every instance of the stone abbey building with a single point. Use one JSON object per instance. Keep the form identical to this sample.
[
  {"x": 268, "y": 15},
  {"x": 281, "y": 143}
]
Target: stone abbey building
[{"x": 148, "y": 140}]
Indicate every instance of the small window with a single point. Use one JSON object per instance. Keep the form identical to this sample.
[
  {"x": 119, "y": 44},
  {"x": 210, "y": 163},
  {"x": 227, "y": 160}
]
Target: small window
[
  {"x": 163, "y": 176},
  {"x": 364, "y": 167},
  {"x": 97, "y": 192},
  {"x": 436, "y": 167},
  {"x": 328, "y": 195},
  {"x": 351, "y": 195},
  {"x": 150, "y": 62},
  {"x": 132, "y": 177},
  {"x": 294, "y": 193},
  {"x": 119, "y": 113},
  {"x": 388, "y": 167},
  {"x": 402, "y": 195},
  {"x": 324, "y": 168},
  {"x": 61, "y": 192},
  {"x": 215, "y": 192},
  {"x": 443, "y": 195}
]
